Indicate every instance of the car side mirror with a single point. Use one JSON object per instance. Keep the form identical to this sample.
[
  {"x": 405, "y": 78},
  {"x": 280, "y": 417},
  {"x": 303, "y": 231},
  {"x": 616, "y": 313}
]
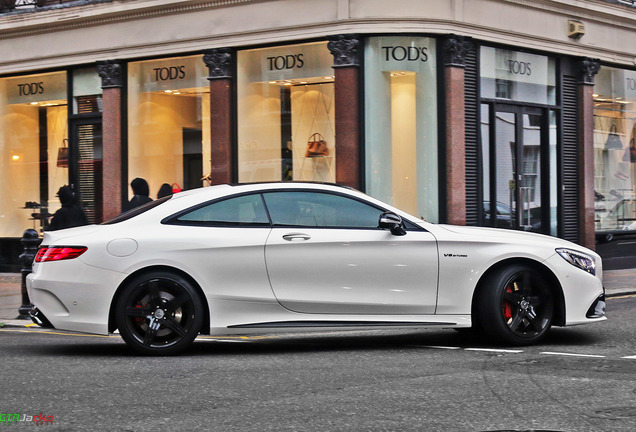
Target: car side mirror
[{"x": 392, "y": 222}]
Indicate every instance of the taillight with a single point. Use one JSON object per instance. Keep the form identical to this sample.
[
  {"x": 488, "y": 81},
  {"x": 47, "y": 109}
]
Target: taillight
[{"x": 59, "y": 253}]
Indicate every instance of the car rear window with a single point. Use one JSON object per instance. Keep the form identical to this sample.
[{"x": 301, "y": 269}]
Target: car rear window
[{"x": 136, "y": 211}]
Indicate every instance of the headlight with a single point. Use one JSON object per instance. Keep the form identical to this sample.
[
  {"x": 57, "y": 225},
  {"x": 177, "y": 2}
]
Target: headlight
[{"x": 578, "y": 259}]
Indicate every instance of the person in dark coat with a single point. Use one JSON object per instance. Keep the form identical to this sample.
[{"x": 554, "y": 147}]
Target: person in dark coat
[
  {"x": 164, "y": 191},
  {"x": 71, "y": 214},
  {"x": 141, "y": 193}
]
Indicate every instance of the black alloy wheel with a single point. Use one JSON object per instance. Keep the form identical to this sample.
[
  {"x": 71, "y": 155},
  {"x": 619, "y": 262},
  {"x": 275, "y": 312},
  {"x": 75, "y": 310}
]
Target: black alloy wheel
[
  {"x": 516, "y": 305},
  {"x": 159, "y": 313}
]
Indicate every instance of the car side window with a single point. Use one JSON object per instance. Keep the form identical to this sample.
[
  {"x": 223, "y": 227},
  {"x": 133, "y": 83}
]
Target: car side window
[
  {"x": 237, "y": 211},
  {"x": 316, "y": 209}
]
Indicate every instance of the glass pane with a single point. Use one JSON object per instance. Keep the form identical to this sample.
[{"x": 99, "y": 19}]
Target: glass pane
[
  {"x": 87, "y": 91},
  {"x": 33, "y": 149},
  {"x": 401, "y": 123},
  {"x": 89, "y": 164},
  {"x": 312, "y": 209},
  {"x": 169, "y": 122},
  {"x": 286, "y": 123},
  {"x": 554, "y": 183},
  {"x": 241, "y": 210},
  {"x": 517, "y": 76},
  {"x": 485, "y": 157},
  {"x": 615, "y": 150},
  {"x": 506, "y": 182},
  {"x": 530, "y": 188}
]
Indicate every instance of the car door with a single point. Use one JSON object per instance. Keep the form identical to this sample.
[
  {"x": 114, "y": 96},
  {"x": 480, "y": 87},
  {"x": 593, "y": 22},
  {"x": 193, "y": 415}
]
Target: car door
[{"x": 326, "y": 255}]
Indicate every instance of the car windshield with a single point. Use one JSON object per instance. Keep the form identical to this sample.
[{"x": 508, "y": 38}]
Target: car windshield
[{"x": 136, "y": 211}]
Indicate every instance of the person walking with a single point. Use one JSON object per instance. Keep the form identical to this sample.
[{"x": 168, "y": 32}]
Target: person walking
[
  {"x": 71, "y": 214},
  {"x": 141, "y": 193}
]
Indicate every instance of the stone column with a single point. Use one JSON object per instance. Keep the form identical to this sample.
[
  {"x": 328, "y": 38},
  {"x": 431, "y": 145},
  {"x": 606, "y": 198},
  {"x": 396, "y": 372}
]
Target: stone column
[
  {"x": 111, "y": 73},
  {"x": 587, "y": 68},
  {"x": 346, "y": 64},
  {"x": 220, "y": 63},
  {"x": 454, "y": 49}
]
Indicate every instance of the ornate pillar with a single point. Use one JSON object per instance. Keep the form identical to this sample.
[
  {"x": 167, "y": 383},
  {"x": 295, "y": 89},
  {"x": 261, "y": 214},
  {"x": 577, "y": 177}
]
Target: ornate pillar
[
  {"x": 111, "y": 73},
  {"x": 454, "y": 50},
  {"x": 586, "y": 68},
  {"x": 346, "y": 64},
  {"x": 220, "y": 62}
]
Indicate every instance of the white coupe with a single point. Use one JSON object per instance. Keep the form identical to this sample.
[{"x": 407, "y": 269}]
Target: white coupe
[{"x": 266, "y": 258}]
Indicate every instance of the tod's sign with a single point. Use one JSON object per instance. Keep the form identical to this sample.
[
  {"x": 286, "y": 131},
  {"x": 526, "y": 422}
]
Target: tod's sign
[{"x": 36, "y": 88}]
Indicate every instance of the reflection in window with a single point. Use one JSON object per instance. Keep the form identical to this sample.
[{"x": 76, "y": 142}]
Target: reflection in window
[
  {"x": 314, "y": 209},
  {"x": 615, "y": 149},
  {"x": 242, "y": 210}
]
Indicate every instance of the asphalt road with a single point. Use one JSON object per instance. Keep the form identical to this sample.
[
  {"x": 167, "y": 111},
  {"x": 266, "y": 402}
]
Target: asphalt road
[{"x": 581, "y": 379}]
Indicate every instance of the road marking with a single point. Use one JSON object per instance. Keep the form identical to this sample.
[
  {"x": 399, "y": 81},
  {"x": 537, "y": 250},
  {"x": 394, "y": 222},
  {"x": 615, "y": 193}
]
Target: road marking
[
  {"x": 573, "y": 354},
  {"x": 56, "y": 333},
  {"x": 495, "y": 350},
  {"x": 438, "y": 347},
  {"x": 630, "y": 357},
  {"x": 622, "y": 297}
]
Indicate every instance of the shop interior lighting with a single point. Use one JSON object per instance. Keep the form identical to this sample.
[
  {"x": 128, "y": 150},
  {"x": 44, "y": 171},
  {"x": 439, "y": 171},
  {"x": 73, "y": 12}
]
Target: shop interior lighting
[{"x": 15, "y": 157}]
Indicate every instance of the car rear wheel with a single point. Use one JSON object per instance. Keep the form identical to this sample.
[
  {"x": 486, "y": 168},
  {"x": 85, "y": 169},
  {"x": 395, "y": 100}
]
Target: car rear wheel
[
  {"x": 159, "y": 313},
  {"x": 516, "y": 305}
]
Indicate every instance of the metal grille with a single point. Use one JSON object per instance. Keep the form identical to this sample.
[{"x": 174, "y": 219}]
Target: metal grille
[
  {"x": 471, "y": 98},
  {"x": 570, "y": 163},
  {"x": 89, "y": 164}
]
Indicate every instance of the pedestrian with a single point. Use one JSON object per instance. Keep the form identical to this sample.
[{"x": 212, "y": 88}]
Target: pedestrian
[
  {"x": 71, "y": 214},
  {"x": 164, "y": 191},
  {"x": 141, "y": 193}
]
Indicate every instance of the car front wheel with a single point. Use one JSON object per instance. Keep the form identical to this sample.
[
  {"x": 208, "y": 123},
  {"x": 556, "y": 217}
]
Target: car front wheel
[
  {"x": 159, "y": 313},
  {"x": 516, "y": 305}
]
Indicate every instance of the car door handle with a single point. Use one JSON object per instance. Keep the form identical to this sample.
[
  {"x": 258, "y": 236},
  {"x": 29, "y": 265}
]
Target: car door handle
[{"x": 296, "y": 237}]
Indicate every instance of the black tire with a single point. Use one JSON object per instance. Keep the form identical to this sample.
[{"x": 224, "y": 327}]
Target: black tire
[
  {"x": 159, "y": 313},
  {"x": 516, "y": 305}
]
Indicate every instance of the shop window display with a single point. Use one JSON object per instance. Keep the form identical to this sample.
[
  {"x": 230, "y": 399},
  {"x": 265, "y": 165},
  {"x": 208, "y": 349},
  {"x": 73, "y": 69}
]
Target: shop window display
[
  {"x": 286, "y": 126},
  {"x": 615, "y": 150},
  {"x": 169, "y": 123},
  {"x": 33, "y": 150},
  {"x": 401, "y": 123}
]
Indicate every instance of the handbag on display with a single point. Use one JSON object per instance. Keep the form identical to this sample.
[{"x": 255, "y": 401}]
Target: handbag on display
[
  {"x": 176, "y": 188},
  {"x": 613, "y": 140},
  {"x": 316, "y": 146},
  {"x": 62, "y": 155}
]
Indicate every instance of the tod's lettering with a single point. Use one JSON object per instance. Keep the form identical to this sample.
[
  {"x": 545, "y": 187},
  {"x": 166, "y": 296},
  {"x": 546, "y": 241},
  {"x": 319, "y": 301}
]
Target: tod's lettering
[
  {"x": 169, "y": 73},
  {"x": 405, "y": 53},
  {"x": 519, "y": 68},
  {"x": 289, "y": 61},
  {"x": 30, "y": 89}
]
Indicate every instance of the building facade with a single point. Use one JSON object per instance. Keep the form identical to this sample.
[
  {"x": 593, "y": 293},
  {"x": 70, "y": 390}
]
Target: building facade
[{"x": 505, "y": 113}]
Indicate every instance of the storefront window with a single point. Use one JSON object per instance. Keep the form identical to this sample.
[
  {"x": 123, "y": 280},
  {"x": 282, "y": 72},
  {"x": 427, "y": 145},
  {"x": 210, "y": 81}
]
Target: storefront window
[
  {"x": 615, "y": 149},
  {"x": 517, "y": 76},
  {"x": 286, "y": 128},
  {"x": 401, "y": 123},
  {"x": 168, "y": 122},
  {"x": 33, "y": 150}
]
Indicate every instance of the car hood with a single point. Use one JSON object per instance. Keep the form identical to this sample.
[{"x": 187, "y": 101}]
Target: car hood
[{"x": 505, "y": 235}]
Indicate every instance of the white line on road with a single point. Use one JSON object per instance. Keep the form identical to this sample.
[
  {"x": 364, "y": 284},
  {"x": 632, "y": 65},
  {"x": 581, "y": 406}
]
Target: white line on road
[
  {"x": 573, "y": 354},
  {"x": 630, "y": 357},
  {"x": 495, "y": 350},
  {"x": 439, "y": 347}
]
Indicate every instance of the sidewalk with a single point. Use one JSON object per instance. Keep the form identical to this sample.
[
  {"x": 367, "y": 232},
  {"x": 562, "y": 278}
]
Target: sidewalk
[{"x": 617, "y": 282}]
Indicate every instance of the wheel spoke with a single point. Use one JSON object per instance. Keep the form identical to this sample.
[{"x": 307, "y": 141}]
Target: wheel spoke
[
  {"x": 138, "y": 312},
  {"x": 153, "y": 327},
  {"x": 173, "y": 325},
  {"x": 526, "y": 285},
  {"x": 153, "y": 291},
  {"x": 516, "y": 321},
  {"x": 512, "y": 297}
]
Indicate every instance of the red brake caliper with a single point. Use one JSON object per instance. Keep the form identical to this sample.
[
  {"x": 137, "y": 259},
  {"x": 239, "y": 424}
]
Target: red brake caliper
[
  {"x": 507, "y": 309},
  {"x": 139, "y": 320}
]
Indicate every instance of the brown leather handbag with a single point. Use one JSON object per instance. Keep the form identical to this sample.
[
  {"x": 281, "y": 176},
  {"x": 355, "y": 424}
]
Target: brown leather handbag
[{"x": 316, "y": 146}]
